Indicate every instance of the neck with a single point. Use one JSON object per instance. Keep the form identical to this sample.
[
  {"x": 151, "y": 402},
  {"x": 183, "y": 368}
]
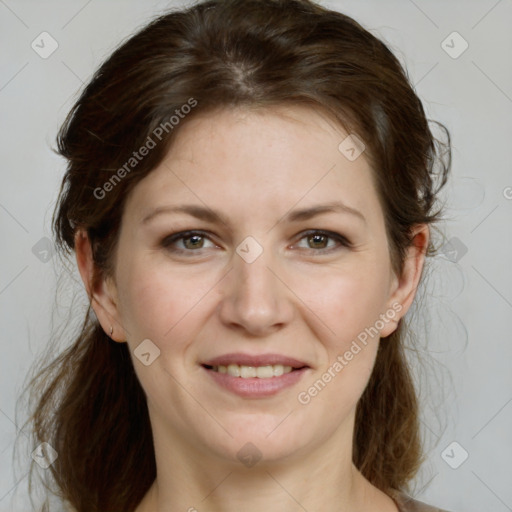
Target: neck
[
  {"x": 269, "y": 488},
  {"x": 321, "y": 479}
]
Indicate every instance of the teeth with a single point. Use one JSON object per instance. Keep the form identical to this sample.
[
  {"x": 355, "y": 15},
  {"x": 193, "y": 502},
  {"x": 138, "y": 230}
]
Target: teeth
[
  {"x": 248, "y": 372},
  {"x": 233, "y": 370},
  {"x": 264, "y": 372}
]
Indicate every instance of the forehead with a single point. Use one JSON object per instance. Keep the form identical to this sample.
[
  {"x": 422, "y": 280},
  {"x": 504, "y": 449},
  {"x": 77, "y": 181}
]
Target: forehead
[{"x": 275, "y": 158}]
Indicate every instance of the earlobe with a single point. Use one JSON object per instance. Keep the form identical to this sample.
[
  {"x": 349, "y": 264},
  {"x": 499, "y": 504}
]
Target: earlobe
[
  {"x": 406, "y": 285},
  {"x": 100, "y": 292}
]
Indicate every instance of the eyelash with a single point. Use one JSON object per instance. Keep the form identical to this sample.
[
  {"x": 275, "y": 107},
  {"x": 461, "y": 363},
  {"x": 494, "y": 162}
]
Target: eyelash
[{"x": 171, "y": 239}]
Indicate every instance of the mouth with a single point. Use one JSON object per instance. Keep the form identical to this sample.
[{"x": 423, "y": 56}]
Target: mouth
[{"x": 255, "y": 376}]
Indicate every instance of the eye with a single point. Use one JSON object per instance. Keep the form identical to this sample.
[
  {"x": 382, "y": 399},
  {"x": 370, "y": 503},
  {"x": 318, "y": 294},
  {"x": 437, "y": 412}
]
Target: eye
[
  {"x": 318, "y": 241},
  {"x": 190, "y": 241}
]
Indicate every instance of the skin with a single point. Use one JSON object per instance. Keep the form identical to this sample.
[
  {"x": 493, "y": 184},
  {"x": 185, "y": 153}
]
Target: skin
[{"x": 303, "y": 298}]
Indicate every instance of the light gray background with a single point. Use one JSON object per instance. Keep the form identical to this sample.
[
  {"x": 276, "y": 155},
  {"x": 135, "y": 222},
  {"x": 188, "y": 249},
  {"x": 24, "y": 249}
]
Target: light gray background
[{"x": 467, "y": 393}]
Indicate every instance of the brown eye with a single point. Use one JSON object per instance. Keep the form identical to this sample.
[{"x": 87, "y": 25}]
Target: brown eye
[
  {"x": 323, "y": 241},
  {"x": 193, "y": 241},
  {"x": 186, "y": 241},
  {"x": 318, "y": 241}
]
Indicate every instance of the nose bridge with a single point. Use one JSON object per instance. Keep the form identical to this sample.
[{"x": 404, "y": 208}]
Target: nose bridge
[
  {"x": 254, "y": 283},
  {"x": 254, "y": 279},
  {"x": 255, "y": 299}
]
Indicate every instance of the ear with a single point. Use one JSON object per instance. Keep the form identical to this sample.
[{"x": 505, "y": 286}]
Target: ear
[
  {"x": 102, "y": 292},
  {"x": 404, "y": 287}
]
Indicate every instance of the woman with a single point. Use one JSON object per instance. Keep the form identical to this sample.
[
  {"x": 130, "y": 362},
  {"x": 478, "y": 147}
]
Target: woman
[{"x": 249, "y": 192}]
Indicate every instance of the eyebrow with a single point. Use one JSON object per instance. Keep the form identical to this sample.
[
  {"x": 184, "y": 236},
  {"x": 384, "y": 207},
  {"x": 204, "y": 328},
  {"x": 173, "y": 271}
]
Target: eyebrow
[{"x": 212, "y": 216}]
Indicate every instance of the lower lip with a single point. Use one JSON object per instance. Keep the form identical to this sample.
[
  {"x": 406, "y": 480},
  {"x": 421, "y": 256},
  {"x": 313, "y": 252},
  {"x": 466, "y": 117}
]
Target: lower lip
[{"x": 255, "y": 387}]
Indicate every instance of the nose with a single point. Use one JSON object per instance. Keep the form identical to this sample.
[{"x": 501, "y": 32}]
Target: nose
[{"x": 255, "y": 299}]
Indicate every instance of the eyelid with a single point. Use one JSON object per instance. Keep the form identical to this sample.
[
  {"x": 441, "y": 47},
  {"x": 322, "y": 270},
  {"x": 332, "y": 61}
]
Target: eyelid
[
  {"x": 342, "y": 240},
  {"x": 174, "y": 237}
]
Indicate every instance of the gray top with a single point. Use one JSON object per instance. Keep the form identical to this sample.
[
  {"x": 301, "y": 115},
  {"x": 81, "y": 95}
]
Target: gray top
[{"x": 407, "y": 504}]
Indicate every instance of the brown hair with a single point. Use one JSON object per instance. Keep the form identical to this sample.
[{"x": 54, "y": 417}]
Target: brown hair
[{"x": 220, "y": 54}]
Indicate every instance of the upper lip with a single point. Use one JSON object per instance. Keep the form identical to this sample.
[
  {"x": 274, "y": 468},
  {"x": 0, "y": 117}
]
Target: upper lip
[{"x": 254, "y": 360}]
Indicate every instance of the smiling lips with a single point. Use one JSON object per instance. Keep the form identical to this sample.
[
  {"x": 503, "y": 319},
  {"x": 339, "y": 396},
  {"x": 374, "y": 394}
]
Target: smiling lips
[{"x": 255, "y": 376}]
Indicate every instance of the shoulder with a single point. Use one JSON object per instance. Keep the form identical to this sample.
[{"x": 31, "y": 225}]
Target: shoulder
[{"x": 407, "y": 504}]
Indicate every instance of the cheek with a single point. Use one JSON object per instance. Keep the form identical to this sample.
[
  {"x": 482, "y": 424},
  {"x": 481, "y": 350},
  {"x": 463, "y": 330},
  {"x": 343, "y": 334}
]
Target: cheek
[
  {"x": 155, "y": 303},
  {"x": 347, "y": 301},
  {"x": 349, "y": 306}
]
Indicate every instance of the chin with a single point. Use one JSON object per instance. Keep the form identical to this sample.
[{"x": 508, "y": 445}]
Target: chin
[{"x": 259, "y": 440}]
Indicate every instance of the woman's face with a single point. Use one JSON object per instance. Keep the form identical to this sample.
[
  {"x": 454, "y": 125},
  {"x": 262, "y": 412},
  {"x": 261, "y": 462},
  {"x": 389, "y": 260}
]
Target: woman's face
[{"x": 288, "y": 266}]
